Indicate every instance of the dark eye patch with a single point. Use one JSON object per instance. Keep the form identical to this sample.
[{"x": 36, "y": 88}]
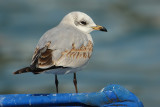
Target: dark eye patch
[{"x": 83, "y": 22}]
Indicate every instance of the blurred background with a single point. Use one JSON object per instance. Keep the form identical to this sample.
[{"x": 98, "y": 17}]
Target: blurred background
[{"x": 128, "y": 54}]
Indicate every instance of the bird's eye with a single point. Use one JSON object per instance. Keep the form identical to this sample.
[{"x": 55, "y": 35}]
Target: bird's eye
[{"x": 83, "y": 22}]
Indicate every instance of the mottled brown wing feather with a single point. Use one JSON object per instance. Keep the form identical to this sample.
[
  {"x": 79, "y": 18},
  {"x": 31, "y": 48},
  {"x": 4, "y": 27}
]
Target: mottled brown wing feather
[
  {"x": 45, "y": 59},
  {"x": 42, "y": 58},
  {"x": 83, "y": 51},
  {"x": 42, "y": 61}
]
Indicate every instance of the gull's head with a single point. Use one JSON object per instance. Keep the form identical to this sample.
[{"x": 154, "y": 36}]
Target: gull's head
[{"x": 82, "y": 22}]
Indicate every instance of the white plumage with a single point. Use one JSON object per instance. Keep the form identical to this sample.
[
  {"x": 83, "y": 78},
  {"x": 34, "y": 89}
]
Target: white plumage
[
  {"x": 65, "y": 48},
  {"x": 63, "y": 37}
]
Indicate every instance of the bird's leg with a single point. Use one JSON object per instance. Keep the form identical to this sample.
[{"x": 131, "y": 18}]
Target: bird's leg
[
  {"x": 75, "y": 82},
  {"x": 56, "y": 82}
]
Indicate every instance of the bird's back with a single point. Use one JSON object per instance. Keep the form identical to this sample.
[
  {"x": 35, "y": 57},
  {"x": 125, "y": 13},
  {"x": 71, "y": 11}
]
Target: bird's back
[{"x": 70, "y": 48}]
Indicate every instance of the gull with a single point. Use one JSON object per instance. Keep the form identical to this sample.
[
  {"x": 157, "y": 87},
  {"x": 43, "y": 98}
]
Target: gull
[{"x": 65, "y": 48}]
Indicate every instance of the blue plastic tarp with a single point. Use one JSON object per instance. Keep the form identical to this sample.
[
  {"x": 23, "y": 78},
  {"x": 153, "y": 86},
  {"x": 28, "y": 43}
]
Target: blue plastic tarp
[{"x": 110, "y": 96}]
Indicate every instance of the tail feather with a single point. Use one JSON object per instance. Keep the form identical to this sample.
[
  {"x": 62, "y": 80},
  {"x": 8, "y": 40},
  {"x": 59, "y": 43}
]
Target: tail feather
[{"x": 23, "y": 70}]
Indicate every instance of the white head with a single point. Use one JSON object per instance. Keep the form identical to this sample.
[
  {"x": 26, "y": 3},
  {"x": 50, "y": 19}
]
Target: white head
[{"x": 81, "y": 21}]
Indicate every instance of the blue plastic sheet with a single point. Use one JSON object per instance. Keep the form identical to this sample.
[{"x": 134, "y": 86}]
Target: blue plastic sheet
[{"x": 110, "y": 96}]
